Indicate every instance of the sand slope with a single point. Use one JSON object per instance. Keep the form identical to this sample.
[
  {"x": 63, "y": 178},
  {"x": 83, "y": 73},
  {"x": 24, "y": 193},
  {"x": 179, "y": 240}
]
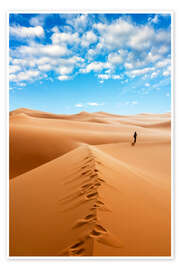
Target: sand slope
[
  {"x": 92, "y": 194},
  {"x": 35, "y": 140}
]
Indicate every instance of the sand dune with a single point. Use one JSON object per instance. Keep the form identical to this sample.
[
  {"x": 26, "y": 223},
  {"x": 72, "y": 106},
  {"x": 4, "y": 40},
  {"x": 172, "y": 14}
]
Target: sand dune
[
  {"x": 79, "y": 188},
  {"x": 36, "y": 140}
]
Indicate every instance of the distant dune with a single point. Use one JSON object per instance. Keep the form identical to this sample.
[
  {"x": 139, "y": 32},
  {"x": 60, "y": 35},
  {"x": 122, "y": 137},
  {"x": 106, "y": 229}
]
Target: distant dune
[{"x": 79, "y": 188}]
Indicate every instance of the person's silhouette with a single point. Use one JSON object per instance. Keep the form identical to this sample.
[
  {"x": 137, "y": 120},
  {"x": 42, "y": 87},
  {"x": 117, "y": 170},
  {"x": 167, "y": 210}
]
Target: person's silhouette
[{"x": 135, "y": 136}]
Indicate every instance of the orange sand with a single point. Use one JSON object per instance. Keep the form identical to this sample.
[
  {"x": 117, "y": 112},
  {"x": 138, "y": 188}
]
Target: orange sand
[{"x": 79, "y": 188}]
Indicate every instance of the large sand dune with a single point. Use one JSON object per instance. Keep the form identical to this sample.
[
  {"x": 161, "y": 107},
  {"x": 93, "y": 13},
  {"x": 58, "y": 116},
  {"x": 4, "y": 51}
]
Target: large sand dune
[{"x": 79, "y": 188}]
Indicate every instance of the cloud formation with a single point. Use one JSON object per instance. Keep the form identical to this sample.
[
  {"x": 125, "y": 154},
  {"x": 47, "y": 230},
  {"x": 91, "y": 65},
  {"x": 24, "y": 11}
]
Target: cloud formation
[
  {"x": 115, "y": 49},
  {"x": 26, "y": 32}
]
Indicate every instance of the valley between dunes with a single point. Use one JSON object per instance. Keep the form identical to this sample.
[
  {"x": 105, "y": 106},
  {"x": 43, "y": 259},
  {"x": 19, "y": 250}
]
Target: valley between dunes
[{"x": 79, "y": 188}]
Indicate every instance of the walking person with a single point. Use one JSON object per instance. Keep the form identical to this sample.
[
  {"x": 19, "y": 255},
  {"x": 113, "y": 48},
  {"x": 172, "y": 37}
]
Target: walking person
[{"x": 134, "y": 136}]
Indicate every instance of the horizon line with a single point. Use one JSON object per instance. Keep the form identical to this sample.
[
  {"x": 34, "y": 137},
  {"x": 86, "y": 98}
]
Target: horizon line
[{"x": 83, "y": 111}]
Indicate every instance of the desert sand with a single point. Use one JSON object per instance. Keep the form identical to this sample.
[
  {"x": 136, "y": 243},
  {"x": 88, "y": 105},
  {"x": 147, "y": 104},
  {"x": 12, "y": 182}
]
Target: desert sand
[{"x": 79, "y": 188}]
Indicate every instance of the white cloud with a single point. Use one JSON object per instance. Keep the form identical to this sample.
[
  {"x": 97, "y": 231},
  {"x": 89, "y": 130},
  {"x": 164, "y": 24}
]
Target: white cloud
[
  {"x": 140, "y": 49},
  {"x": 59, "y": 38},
  {"x": 53, "y": 50},
  {"x": 45, "y": 67},
  {"x": 163, "y": 36},
  {"x": 77, "y": 22},
  {"x": 134, "y": 102},
  {"x": 154, "y": 74},
  {"x": 142, "y": 38},
  {"x": 91, "y": 52},
  {"x": 88, "y": 38},
  {"x": 16, "y": 61},
  {"x": 116, "y": 77},
  {"x": 21, "y": 84},
  {"x": 65, "y": 69},
  {"x": 12, "y": 77},
  {"x": 103, "y": 76},
  {"x": 163, "y": 49},
  {"x": 131, "y": 102},
  {"x": 167, "y": 72},
  {"x": 91, "y": 104},
  {"x": 14, "y": 68},
  {"x": 25, "y": 75},
  {"x": 115, "y": 58},
  {"x": 154, "y": 19},
  {"x": 65, "y": 66},
  {"x": 55, "y": 29},
  {"x": 147, "y": 84},
  {"x": 152, "y": 57},
  {"x": 38, "y": 19},
  {"x": 27, "y": 32},
  {"x": 63, "y": 77},
  {"x": 108, "y": 76},
  {"x": 123, "y": 33},
  {"x": 114, "y": 35},
  {"x": 38, "y": 50},
  {"x": 95, "y": 104},
  {"x": 95, "y": 66},
  {"x": 137, "y": 72},
  {"x": 80, "y": 22},
  {"x": 128, "y": 65},
  {"x": 79, "y": 105},
  {"x": 163, "y": 63},
  {"x": 43, "y": 62}
]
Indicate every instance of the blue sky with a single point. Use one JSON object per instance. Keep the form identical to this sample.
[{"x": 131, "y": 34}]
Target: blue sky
[{"x": 67, "y": 63}]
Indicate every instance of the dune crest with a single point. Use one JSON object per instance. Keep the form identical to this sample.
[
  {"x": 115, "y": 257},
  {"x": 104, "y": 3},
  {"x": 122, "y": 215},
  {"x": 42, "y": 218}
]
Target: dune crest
[
  {"x": 37, "y": 137},
  {"x": 89, "y": 191},
  {"x": 88, "y": 211},
  {"x": 78, "y": 187}
]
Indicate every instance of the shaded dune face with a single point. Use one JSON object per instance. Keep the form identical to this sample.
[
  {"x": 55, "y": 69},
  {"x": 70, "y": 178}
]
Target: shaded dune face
[
  {"x": 37, "y": 137},
  {"x": 79, "y": 188}
]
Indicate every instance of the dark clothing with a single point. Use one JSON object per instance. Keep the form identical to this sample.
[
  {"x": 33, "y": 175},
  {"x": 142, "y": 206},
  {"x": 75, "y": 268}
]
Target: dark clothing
[{"x": 135, "y": 136}]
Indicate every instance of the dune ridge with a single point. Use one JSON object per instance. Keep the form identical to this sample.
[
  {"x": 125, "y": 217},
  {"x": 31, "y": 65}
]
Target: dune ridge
[
  {"x": 81, "y": 189},
  {"x": 36, "y": 140},
  {"x": 89, "y": 190}
]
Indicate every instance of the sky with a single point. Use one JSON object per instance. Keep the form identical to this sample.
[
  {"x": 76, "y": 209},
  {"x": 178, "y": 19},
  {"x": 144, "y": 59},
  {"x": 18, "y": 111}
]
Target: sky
[{"x": 68, "y": 63}]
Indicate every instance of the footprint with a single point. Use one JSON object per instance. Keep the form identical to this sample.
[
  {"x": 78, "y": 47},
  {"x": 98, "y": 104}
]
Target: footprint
[
  {"x": 93, "y": 175},
  {"x": 101, "y": 228},
  {"x": 80, "y": 223},
  {"x": 86, "y": 186},
  {"x": 83, "y": 173},
  {"x": 95, "y": 233},
  {"x": 83, "y": 167},
  {"x": 99, "y": 203},
  {"x": 97, "y": 185},
  {"x": 90, "y": 216},
  {"x": 77, "y": 252},
  {"x": 80, "y": 243},
  {"x": 98, "y": 162},
  {"x": 100, "y": 179},
  {"x": 90, "y": 189},
  {"x": 91, "y": 195},
  {"x": 89, "y": 160}
]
